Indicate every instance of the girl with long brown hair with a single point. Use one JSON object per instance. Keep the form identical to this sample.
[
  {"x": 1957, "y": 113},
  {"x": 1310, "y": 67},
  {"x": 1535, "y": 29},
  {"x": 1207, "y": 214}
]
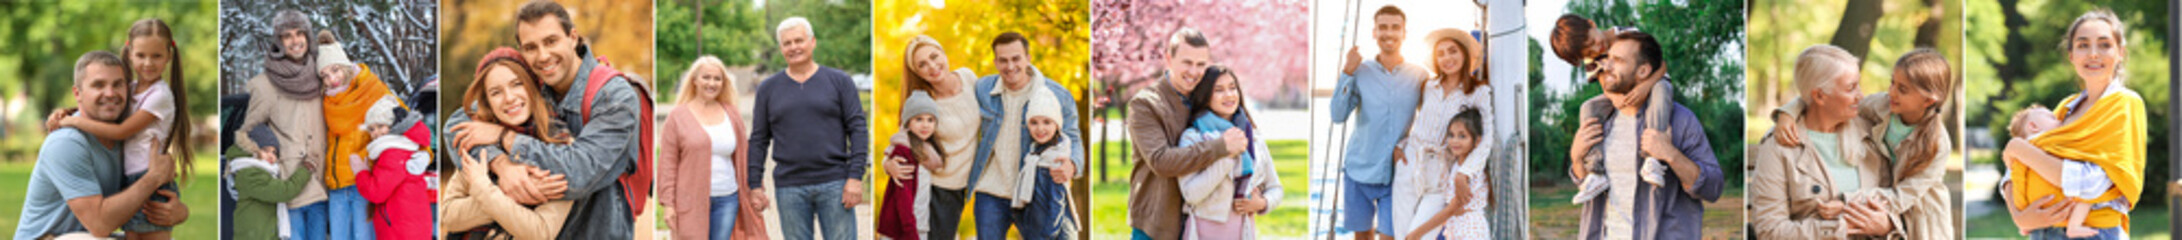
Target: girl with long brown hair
[{"x": 504, "y": 92}]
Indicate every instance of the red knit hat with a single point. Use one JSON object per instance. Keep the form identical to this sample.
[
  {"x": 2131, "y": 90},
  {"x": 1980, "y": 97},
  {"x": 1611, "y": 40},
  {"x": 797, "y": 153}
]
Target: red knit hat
[{"x": 500, "y": 53}]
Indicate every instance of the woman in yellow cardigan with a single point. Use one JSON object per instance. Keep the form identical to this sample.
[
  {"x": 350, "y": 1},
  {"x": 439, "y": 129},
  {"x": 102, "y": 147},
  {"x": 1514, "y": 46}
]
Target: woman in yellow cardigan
[{"x": 2102, "y": 132}]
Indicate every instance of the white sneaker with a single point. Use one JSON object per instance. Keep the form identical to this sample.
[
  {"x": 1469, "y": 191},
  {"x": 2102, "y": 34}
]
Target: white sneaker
[
  {"x": 1593, "y": 186},
  {"x": 1654, "y": 171}
]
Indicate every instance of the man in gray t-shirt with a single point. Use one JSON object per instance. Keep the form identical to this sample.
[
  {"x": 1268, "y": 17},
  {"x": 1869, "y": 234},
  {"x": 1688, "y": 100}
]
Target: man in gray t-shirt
[{"x": 77, "y": 185}]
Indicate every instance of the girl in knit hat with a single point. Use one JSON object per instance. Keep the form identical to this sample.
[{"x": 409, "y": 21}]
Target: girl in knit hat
[
  {"x": 396, "y": 182},
  {"x": 903, "y": 211},
  {"x": 1044, "y": 199},
  {"x": 260, "y": 195}
]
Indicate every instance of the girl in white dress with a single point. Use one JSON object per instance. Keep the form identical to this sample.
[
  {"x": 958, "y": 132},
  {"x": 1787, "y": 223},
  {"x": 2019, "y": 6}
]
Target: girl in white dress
[{"x": 1463, "y": 217}]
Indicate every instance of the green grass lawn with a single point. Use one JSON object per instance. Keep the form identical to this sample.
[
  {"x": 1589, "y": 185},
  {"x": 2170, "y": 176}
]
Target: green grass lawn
[
  {"x": 2146, "y": 222},
  {"x": 1553, "y": 217},
  {"x": 1110, "y": 200},
  {"x": 200, "y": 193}
]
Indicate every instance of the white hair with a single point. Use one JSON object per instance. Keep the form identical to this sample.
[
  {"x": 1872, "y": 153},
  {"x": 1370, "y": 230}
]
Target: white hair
[
  {"x": 1819, "y": 65},
  {"x": 793, "y": 22}
]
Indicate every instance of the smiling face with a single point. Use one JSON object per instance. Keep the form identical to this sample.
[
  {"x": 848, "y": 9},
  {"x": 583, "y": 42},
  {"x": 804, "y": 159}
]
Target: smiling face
[
  {"x": 710, "y": 82},
  {"x": 1043, "y": 129},
  {"x": 149, "y": 56},
  {"x": 269, "y": 154},
  {"x": 336, "y": 77},
  {"x": 1908, "y": 100},
  {"x": 294, "y": 42},
  {"x": 796, "y": 45},
  {"x": 1187, "y": 65},
  {"x": 102, "y": 91},
  {"x": 1013, "y": 60},
  {"x": 1388, "y": 30},
  {"x": 550, "y": 49},
  {"x": 1460, "y": 139},
  {"x": 1621, "y": 70},
  {"x": 2095, "y": 52},
  {"x": 1226, "y": 96},
  {"x": 506, "y": 96},
  {"x": 1451, "y": 58},
  {"x": 1595, "y": 55},
  {"x": 922, "y": 125},
  {"x": 1839, "y": 102},
  {"x": 1601, "y": 40},
  {"x": 929, "y": 63}
]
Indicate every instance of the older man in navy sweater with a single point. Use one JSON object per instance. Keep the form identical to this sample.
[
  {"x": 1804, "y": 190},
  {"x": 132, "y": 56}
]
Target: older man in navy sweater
[{"x": 814, "y": 114}]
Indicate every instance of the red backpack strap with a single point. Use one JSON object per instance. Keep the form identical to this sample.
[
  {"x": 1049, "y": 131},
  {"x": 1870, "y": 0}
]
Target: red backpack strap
[{"x": 635, "y": 187}]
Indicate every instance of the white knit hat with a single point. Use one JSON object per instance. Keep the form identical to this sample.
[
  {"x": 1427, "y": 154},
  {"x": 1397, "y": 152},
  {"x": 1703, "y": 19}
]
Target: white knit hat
[
  {"x": 331, "y": 54},
  {"x": 1043, "y": 103},
  {"x": 381, "y": 112}
]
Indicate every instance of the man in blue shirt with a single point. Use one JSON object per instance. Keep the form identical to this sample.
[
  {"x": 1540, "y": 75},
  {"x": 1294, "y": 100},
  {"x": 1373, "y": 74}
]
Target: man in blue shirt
[
  {"x": 1382, "y": 118},
  {"x": 76, "y": 188},
  {"x": 1674, "y": 209}
]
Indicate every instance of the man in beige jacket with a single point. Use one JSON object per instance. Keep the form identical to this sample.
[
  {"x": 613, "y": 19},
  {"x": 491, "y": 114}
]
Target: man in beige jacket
[{"x": 287, "y": 97}]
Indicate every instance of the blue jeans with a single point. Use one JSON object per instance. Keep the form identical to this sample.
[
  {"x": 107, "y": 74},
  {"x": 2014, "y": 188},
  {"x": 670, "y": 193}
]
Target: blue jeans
[
  {"x": 308, "y": 222},
  {"x": 435, "y": 218},
  {"x": 350, "y": 214},
  {"x": 2062, "y": 233},
  {"x": 994, "y": 216},
  {"x": 801, "y": 206},
  {"x": 723, "y": 216}
]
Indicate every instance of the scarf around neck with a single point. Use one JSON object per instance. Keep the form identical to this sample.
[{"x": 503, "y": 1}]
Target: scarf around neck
[{"x": 295, "y": 77}]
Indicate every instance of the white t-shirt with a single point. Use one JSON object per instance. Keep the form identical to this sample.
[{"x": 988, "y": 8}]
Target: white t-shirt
[
  {"x": 137, "y": 152},
  {"x": 723, "y": 158}
]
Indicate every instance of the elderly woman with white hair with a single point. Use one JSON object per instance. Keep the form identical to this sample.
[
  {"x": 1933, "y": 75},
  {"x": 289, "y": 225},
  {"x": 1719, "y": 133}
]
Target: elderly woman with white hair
[{"x": 1798, "y": 191}]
